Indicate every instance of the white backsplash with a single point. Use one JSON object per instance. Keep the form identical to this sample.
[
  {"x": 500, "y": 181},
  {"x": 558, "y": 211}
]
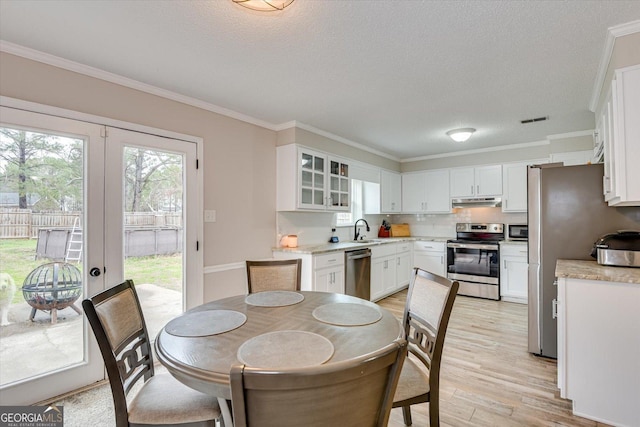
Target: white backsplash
[{"x": 315, "y": 227}]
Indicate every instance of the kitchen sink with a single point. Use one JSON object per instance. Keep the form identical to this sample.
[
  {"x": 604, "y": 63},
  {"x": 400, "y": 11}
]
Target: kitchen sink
[{"x": 367, "y": 241}]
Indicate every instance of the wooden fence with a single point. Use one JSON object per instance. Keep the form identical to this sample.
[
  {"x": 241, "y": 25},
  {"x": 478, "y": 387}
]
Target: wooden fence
[{"x": 25, "y": 224}]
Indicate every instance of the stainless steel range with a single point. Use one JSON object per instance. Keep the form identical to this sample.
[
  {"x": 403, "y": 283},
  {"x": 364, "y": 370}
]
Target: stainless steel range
[{"x": 473, "y": 259}]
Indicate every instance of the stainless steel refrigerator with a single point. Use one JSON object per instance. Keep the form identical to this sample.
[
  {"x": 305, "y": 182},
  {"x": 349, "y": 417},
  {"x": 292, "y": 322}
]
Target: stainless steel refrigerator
[{"x": 566, "y": 215}]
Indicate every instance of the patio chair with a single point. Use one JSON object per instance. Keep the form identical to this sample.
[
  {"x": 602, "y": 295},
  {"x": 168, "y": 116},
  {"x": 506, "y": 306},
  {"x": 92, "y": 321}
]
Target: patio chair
[
  {"x": 118, "y": 324},
  {"x": 271, "y": 275},
  {"x": 352, "y": 393},
  {"x": 429, "y": 304}
]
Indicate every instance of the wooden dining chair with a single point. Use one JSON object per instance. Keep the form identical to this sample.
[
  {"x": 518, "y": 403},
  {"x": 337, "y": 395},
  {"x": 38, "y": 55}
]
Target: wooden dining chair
[
  {"x": 352, "y": 393},
  {"x": 428, "y": 308},
  {"x": 119, "y": 327},
  {"x": 271, "y": 275}
]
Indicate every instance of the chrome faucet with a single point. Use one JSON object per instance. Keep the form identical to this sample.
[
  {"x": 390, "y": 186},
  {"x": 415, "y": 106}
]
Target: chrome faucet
[{"x": 355, "y": 228}]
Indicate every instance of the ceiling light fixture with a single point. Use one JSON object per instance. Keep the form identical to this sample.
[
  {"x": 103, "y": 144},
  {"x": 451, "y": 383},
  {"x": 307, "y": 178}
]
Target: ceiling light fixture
[
  {"x": 264, "y": 5},
  {"x": 461, "y": 135}
]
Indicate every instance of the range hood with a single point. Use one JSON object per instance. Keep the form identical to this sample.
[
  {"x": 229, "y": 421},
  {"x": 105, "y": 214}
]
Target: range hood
[{"x": 477, "y": 202}]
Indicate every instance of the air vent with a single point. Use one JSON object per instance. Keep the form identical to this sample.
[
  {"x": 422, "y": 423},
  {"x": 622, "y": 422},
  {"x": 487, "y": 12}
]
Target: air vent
[{"x": 537, "y": 119}]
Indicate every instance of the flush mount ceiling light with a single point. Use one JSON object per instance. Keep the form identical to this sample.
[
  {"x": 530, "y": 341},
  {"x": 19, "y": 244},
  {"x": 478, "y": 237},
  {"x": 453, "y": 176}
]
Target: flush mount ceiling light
[
  {"x": 461, "y": 135},
  {"x": 264, "y": 5}
]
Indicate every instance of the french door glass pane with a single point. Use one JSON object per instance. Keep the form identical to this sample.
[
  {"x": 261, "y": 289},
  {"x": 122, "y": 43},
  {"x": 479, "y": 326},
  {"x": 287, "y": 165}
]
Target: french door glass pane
[
  {"x": 153, "y": 231},
  {"x": 41, "y": 248}
]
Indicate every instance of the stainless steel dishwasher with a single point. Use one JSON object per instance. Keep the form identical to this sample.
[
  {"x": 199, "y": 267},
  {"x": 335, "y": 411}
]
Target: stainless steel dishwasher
[{"x": 358, "y": 273}]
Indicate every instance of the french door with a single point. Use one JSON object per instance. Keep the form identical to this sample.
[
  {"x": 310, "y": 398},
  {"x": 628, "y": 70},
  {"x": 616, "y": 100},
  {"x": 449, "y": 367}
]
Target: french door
[{"x": 105, "y": 204}]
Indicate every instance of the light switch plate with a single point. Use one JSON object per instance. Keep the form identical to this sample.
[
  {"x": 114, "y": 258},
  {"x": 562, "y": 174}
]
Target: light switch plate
[{"x": 209, "y": 216}]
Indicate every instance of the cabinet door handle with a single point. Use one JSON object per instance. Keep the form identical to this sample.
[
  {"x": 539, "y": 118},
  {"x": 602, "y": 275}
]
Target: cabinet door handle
[
  {"x": 478, "y": 187},
  {"x": 505, "y": 264},
  {"x": 398, "y": 261},
  {"x": 554, "y": 309},
  {"x": 472, "y": 190},
  {"x": 506, "y": 203}
]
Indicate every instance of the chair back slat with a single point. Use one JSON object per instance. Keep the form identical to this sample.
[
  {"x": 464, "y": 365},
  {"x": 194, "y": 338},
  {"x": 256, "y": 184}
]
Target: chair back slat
[
  {"x": 274, "y": 275},
  {"x": 351, "y": 393},
  {"x": 118, "y": 324}
]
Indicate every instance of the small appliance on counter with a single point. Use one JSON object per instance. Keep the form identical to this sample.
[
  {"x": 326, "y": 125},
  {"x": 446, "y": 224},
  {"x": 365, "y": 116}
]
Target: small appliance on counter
[
  {"x": 518, "y": 232},
  {"x": 621, "y": 249}
]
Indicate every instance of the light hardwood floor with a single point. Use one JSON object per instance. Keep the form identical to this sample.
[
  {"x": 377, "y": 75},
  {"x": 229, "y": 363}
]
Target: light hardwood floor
[{"x": 488, "y": 378}]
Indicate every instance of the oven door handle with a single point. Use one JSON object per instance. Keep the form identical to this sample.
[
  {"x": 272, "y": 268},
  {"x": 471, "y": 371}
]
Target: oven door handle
[{"x": 472, "y": 246}]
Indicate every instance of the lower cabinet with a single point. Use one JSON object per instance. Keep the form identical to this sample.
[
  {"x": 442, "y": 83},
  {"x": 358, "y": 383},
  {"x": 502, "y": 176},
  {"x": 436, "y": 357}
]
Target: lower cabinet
[
  {"x": 598, "y": 349},
  {"x": 404, "y": 265},
  {"x": 328, "y": 272},
  {"x": 430, "y": 256},
  {"x": 324, "y": 272},
  {"x": 514, "y": 272},
  {"x": 383, "y": 270},
  {"x": 330, "y": 280},
  {"x": 391, "y": 265},
  {"x": 390, "y": 268}
]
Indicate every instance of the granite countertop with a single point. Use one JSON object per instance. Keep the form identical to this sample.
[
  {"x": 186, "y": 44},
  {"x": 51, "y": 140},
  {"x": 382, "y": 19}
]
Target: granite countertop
[
  {"x": 342, "y": 246},
  {"x": 591, "y": 270}
]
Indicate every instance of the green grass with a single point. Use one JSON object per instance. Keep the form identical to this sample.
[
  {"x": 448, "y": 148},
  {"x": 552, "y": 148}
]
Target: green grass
[{"x": 17, "y": 257}]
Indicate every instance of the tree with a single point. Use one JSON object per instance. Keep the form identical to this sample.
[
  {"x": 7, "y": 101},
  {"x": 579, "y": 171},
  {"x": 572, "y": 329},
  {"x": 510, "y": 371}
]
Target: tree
[
  {"x": 148, "y": 175},
  {"x": 33, "y": 163}
]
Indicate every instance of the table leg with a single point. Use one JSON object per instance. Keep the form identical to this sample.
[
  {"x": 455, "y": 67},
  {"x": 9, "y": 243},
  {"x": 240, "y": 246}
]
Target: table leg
[{"x": 226, "y": 412}]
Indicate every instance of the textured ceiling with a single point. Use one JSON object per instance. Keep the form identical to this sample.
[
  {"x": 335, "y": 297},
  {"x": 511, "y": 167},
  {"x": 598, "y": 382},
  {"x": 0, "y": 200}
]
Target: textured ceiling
[{"x": 391, "y": 75}]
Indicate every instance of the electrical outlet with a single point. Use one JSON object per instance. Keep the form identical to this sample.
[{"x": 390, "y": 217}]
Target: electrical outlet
[{"x": 209, "y": 216}]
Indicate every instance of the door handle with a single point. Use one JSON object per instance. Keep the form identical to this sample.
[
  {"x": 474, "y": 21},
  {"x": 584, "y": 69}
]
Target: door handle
[{"x": 94, "y": 272}]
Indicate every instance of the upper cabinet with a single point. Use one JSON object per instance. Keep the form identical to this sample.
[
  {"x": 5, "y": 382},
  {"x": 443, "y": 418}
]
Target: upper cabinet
[
  {"x": 476, "y": 182},
  {"x": 621, "y": 113},
  {"x": 311, "y": 180},
  {"x": 514, "y": 185},
  {"x": 390, "y": 192},
  {"x": 426, "y": 192}
]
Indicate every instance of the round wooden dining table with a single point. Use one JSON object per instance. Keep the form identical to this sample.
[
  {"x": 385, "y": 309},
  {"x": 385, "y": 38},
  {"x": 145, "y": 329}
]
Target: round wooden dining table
[{"x": 271, "y": 330}]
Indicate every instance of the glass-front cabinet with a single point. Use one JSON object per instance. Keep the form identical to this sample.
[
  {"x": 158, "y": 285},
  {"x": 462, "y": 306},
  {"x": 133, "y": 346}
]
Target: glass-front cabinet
[
  {"x": 339, "y": 187},
  {"x": 311, "y": 180}
]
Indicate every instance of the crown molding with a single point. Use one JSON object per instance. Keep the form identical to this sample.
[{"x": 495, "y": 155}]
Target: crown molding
[
  {"x": 570, "y": 134},
  {"x": 46, "y": 58},
  {"x": 612, "y": 34},
  {"x": 336, "y": 138},
  {"x": 476, "y": 151}
]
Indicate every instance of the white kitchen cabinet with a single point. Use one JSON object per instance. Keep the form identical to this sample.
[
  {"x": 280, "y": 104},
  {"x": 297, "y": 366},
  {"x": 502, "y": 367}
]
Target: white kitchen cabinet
[
  {"x": 624, "y": 136},
  {"x": 390, "y": 192},
  {"x": 330, "y": 280},
  {"x": 311, "y": 180},
  {"x": 514, "y": 270},
  {"x": 514, "y": 185},
  {"x": 604, "y": 141},
  {"x": 404, "y": 264},
  {"x": 599, "y": 349},
  {"x": 383, "y": 271},
  {"x": 476, "y": 182},
  {"x": 430, "y": 256},
  {"x": 328, "y": 272},
  {"x": 426, "y": 192}
]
